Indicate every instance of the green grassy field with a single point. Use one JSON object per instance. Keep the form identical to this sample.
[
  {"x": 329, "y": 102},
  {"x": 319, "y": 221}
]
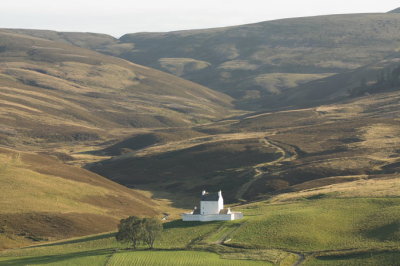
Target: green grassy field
[
  {"x": 326, "y": 231},
  {"x": 174, "y": 258},
  {"x": 107, "y": 257},
  {"x": 322, "y": 224},
  {"x": 85, "y": 258}
]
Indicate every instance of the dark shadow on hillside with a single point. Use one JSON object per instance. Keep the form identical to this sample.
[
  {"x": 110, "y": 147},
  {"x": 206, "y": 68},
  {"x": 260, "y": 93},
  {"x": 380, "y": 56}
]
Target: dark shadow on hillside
[
  {"x": 86, "y": 239},
  {"x": 390, "y": 256},
  {"x": 385, "y": 232},
  {"x": 56, "y": 258},
  {"x": 182, "y": 224}
]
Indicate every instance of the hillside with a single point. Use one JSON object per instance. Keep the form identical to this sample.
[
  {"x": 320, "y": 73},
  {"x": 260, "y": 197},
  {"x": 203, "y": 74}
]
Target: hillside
[
  {"x": 377, "y": 77},
  {"x": 397, "y": 10},
  {"x": 259, "y": 155},
  {"x": 261, "y": 65},
  {"x": 43, "y": 199},
  {"x": 93, "y": 41},
  {"x": 261, "y": 59},
  {"x": 325, "y": 155},
  {"x": 352, "y": 224},
  {"x": 54, "y": 92}
]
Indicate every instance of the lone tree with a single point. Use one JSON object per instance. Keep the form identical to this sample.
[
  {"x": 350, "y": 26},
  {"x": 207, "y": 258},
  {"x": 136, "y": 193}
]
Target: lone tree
[
  {"x": 135, "y": 230},
  {"x": 152, "y": 229},
  {"x": 130, "y": 230}
]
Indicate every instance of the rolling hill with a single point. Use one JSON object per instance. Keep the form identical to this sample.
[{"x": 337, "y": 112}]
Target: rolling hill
[
  {"x": 257, "y": 60},
  {"x": 58, "y": 101},
  {"x": 54, "y": 92},
  {"x": 397, "y": 10},
  {"x": 92, "y": 41},
  {"x": 376, "y": 77},
  {"x": 42, "y": 199},
  {"x": 261, "y": 65},
  {"x": 352, "y": 224},
  {"x": 153, "y": 131},
  {"x": 259, "y": 155}
]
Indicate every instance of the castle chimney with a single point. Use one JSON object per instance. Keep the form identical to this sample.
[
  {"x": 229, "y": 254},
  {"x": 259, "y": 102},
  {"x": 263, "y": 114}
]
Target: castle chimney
[
  {"x": 203, "y": 193},
  {"x": 220, "y": 193}
]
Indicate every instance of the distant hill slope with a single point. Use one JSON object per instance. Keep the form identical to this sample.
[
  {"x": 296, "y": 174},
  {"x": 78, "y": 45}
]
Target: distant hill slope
[
  {"x": 257, "y": 61},
  {"x": 42, "y": 198},
  {"x": 51, "y": 91},
  {"x": 240, "y": 60},
  {"x": 397, "y": 10},
  {"x": 82, "y": 39},
  {"x": 377, "y": 77}
]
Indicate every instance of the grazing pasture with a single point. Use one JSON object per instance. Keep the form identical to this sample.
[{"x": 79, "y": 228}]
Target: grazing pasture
[
  {"x": 175, "y": 258},
  {"x": 310, "y": 230}
]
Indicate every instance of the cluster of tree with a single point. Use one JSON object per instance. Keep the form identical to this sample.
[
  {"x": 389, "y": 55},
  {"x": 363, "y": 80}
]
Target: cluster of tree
[
  {"x": 386, "y": 80},
  {"x": 136, "y": 231}
]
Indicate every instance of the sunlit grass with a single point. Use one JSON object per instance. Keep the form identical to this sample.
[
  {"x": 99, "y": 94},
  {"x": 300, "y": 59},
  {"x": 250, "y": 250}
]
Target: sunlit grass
[
  {"x": 322, "y": 224},
  {"x": 175, "y": 258}
]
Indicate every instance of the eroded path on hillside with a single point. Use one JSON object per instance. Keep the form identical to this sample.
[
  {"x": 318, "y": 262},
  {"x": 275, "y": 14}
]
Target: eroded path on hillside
[{"x": 262, "y": 169}]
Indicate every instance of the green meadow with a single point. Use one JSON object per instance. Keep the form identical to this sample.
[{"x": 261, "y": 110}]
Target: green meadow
[
  {"x": 175, "y": 258},
  {"x": 316, "y": 231},
  {"x": 322, "y": 224}
]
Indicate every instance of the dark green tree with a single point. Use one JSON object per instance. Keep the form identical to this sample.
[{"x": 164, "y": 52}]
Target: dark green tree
[
  {"x": 153, "y": 228},
  {"x": 135, "y": 230},
  {"x": 131, "y": 230}
]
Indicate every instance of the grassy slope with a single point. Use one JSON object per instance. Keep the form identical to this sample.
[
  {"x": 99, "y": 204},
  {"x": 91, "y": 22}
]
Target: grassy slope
[
  {"x": 324, "y": 228},
  {"x": 324, "y": 224},
  {"x": 55, "y": 92},
  {"x": 42, "y": 199},
  {"x": 238, "y": 57}
]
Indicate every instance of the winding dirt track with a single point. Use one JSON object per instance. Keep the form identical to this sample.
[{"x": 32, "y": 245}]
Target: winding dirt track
[{"x": 264, "y": 168}]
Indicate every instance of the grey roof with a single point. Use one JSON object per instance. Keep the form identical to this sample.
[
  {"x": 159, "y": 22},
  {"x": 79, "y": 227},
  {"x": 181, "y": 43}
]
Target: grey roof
[{"x": 210, "y": 197}]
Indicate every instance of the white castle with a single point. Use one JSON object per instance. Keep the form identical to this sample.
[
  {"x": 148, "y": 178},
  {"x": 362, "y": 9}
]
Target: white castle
[{"x": 211, "y": 209}]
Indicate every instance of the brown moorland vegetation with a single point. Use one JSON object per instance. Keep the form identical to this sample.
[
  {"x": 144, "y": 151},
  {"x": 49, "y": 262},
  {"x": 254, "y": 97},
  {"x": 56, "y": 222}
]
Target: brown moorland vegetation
[
  {"x": 53, "y": 92},
  {"x": 44, "y": 199},
  {"x": 265, "y": 154}
]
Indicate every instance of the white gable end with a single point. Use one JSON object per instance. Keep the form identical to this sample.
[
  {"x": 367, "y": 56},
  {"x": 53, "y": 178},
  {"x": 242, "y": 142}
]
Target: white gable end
[{"x": 211, "y": 209}]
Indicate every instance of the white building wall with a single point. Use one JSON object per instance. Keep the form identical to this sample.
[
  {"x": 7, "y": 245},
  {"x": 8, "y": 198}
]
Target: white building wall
[
  {"x": 211, "y": 217},
  {"x": 212, "y": 207},
  {"x": 209, "y": 207}
]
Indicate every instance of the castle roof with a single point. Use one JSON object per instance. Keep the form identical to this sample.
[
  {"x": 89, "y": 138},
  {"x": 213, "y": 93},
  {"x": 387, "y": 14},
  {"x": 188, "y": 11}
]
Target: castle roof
[{"x": 210, "y": 196}]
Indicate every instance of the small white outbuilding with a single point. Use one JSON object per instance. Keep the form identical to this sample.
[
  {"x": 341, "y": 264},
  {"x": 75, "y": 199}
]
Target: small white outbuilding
[{"x": 211, "y": 209}]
